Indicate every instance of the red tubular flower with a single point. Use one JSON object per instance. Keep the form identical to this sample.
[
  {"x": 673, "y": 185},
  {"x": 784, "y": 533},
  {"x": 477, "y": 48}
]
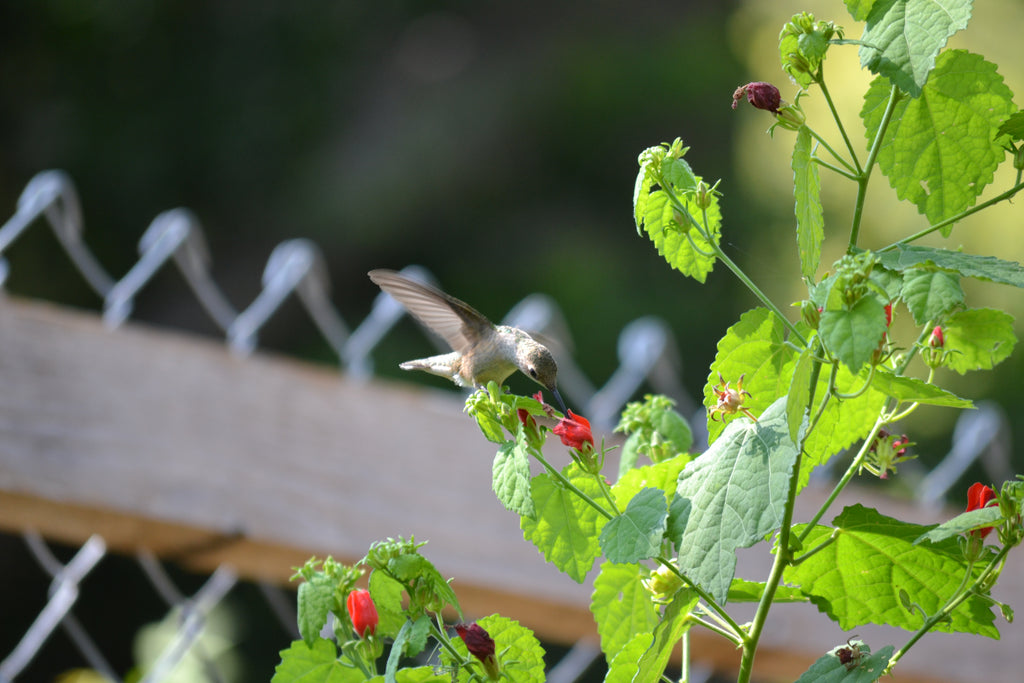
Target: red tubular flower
[
  {"x": 362, "y": 611},
  {"x": 574, "y": 431},
  {"x": 980, "y": 496},
  {"x": 936, "y": 340},
  {"x": 480, "y": 644},
  {"x": 761, "y": 95}
]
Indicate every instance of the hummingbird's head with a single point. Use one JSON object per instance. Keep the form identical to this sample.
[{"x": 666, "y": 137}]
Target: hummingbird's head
[{"x": 539, "y": 365}]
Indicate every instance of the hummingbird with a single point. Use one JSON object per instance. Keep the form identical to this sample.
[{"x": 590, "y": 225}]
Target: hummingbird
[{"x": 481, "y": 350}]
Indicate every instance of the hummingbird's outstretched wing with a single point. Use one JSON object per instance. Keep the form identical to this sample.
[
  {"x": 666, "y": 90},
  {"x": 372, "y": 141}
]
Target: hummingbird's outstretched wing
[{"x": 457, "y": 322}]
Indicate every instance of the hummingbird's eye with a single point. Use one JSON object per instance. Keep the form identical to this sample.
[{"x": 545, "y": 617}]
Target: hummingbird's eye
[{"x": 533, "y": 373}]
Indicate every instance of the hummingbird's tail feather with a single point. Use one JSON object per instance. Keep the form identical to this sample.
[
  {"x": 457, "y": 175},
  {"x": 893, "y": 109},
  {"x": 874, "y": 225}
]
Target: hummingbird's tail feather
[{"x": 447, "y": 365}]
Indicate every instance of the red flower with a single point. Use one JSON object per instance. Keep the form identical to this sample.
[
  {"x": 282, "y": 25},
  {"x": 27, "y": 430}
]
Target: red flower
[
  {"x": 362, "y": 611},
  {"x": 574, "y": 431},
  {"x": 762, "y": 95},
  {"x": 980, "y": 496},
  {"x": 524, "y": 416},
  {"x": 888, "y": 314},
  {"x": 480, "y": 645},
  {"x": 936, "y": 340}
]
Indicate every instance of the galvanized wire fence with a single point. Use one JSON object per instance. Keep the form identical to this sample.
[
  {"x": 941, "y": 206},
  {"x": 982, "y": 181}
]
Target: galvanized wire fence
[{"x": 647, "y": 352}]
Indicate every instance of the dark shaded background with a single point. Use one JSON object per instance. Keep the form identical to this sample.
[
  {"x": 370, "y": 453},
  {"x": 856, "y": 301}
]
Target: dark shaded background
[{"x": 494, "y": 143}]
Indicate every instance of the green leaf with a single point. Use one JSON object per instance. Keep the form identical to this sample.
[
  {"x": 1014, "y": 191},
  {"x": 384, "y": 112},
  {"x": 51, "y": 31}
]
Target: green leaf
[
  {"x": 636, "y": 534},
  {"x": 666, "y": 636},
  {"x": 930, "y": 293},
  {"x": 939, "y": 151},
  {"x": 859, "y": 9},
  {"x": 842, "y": 423},
  {"x": 565, "y": 528},
  {"x": 678, "y": 514},
  {"x": 737, "y": 492},
  {"x": 416, "y": 674},
  {"x": 621, "y": 606},
  {"x": 316, "y": 663},
  {"x": 624, "y": 665},
  {"x": 519, "y": 652},
  {"x": 409, "y": 568},
  {"x": 315, "y": 600},
  {"x": 902, "y": 37},
  {"x": 752, "y": 348},
  {"x": 829, "y": 669},
  {"x": 978, "y": 339},
  {"x": 858, "y": 578},
  {"x": 663, "y": 475},
  {"x": 853, "y": 334},
  {"x": 673, "y": 240},
  {"x": 913, "y": 390},
  {"x": 962, "y": 523},
  {"x": 1013, "y": 126},
  {"x": 511, "y": 478},
  {"x": 387, "y": 598},
  {"x": 799, "y": 394},
  {"x": 743, "y": 590},
  {"x": 810, "y": 221},
  {"x": 988, "y": 268},
  {"x": 396, "y": 652}
]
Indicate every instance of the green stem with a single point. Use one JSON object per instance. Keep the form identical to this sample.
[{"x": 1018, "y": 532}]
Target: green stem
[
  {"x": 835, "y": 116},
  {"x": 703, "y": 594},
  {"x": 569, "y": 485},
  {"x": 821, "y": 141},
  {"x": 835, "y": 169},
  {"x": 684, "y": 665},
  {"x": 942, "y": 614},
  {"x": 736, "y": 270},
  {"x": 960, "y": 216},
  {"x": 862, "y": 183},
  {"x": 816, "y": 549}
]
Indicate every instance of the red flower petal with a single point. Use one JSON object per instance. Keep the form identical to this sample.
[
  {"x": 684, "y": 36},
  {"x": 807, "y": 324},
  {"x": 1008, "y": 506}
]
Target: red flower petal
[
  {"x": 362, "y": 611},
  {"x": 574, "y": 431},
  {"x": 980, "y": 496}
]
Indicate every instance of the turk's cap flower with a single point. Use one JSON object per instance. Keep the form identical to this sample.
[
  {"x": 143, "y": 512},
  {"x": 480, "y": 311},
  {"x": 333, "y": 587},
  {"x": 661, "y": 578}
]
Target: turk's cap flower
[
  {"x": 760, "y": 95},
  {"x": 574, "y": 431},
  {"x": 362, "y": 611},
  {"x": 980, "y": 496},
  {"x": 480, "y": 644},
  {"x": 936, "y": 339}
]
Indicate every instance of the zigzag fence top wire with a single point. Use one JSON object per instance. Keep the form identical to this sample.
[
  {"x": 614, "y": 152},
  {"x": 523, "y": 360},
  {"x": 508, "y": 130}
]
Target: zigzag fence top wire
[{"x": 646, "y": 349}]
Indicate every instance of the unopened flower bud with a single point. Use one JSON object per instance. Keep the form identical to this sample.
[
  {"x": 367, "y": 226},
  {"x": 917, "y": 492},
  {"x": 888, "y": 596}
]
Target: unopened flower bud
[
  {"x": 362, "y": 611},
  {"x": 480, "y": 644},
  {"x": 760, "y": 94}
]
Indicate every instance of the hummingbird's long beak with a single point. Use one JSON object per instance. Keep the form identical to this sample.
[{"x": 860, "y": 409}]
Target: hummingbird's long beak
[{"x": 558, "y": 397}]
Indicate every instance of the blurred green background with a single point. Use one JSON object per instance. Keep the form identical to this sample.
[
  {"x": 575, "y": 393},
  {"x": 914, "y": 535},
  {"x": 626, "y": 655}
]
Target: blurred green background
[{"x": 494, "y": 143}]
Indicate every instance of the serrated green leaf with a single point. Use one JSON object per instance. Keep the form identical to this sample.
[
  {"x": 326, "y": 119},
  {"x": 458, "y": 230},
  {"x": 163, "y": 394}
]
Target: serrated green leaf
[
  {"x": 859, "y": 9},
  {"x": 842, "y": 423},
  {"x": 511, "y": 478},
  {"x": 315, "y": 599},
  {"x": 988, "y": 268},
  {"x": 902, "y": 37},
  {"x": 636, "y": 534},
  {"x": 650, "y": 161},
  {"x": 396, "y": 652},
  {"x": 316, "y": 663},
  {"x": 913, "y": 390},
  {"x": 625, "y": 663},
  {"x": 977, "y": 339},
  {"x": 752, "y": 348},
  {"x": 737, "y": 492},
  {"x": 930, "y": 293},
  {"x": 662, "y": 475},
  {"x": 519, "y": 653},
  {"x": 673, "y": 241},
  {"x": 810, "y": 220},
  {"x": 674, "y": 623},
  {"x": 962, "y": 523},
  {"x": 408, "y": 568},
  {"x": 868, "y": 668},
  {"x": 565, "y": 528},
  {"x": 678, "y": 174},
  {"x": 743, "y": 590},
  {"x": 1013, "y": 126},
  {"x": 387, "y": 598},
  {"x": 799, "y": 394},
  {"x": 416, "y": 674},
  {"x": 621, "y": 606},
  {"x": 853, "y": 334},
  {"x": 939, "y": 150},
  {"x": 857, "y": 579}
]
